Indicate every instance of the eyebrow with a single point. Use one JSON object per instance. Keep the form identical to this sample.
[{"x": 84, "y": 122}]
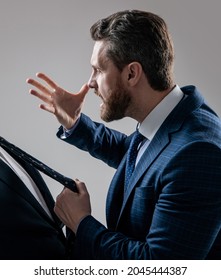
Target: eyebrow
[{"x": 100, "y": 66}]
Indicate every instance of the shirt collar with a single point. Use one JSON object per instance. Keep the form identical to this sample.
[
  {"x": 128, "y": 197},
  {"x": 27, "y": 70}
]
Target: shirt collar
[{"x": 157, "y": 116}]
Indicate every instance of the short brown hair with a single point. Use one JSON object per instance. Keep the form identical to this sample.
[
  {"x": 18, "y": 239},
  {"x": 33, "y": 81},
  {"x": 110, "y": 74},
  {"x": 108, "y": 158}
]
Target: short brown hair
[{"x": 140, "y": 36}]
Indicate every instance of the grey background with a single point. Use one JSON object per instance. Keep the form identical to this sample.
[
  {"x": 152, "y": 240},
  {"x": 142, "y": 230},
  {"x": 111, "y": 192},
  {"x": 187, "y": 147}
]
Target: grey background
[{"x": 52, "y": 36}]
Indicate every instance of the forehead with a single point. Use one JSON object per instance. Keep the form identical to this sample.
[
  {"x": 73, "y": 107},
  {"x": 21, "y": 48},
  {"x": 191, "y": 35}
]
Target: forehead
[{"x": 99, "y": 57}]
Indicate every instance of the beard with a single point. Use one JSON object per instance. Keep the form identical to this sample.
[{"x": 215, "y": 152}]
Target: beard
[{"x": 115, "y": 107}]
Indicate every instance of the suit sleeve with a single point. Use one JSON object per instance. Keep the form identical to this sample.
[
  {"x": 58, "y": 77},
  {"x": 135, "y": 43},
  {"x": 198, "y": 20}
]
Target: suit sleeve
[
  {"x": 101, "y": 142},
  {"x": 186, "y": 219}
]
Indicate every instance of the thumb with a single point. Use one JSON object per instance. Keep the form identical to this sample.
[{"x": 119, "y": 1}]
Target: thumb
[
  {"x": 81, "y": 187},
  {"x": 84, "y": 90}
]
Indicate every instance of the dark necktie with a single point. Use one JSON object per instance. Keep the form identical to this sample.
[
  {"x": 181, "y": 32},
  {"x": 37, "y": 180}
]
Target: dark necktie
[
  {"x": 132, "y": 155},
  {"x": 67, "y": 182}
]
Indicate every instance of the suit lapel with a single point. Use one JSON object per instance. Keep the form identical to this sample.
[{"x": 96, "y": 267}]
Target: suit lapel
[
  {"x": 115, "y": 196},
  {"x": 10, "y": 178},
  {"x": 150, "y": 155}
]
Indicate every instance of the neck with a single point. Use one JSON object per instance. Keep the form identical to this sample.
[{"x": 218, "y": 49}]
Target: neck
[{"x": 145, "y": 101}]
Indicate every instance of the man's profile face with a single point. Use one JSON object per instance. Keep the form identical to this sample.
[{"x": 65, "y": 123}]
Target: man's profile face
[{"x": 107, "y": 82}]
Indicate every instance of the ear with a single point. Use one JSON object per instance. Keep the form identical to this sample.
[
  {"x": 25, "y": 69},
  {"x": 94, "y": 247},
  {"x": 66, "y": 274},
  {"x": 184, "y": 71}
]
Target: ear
[{"x": 134, "y": 72}]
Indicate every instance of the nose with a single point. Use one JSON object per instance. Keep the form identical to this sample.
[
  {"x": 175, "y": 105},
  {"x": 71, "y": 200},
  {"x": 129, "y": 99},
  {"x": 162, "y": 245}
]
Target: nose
[{"x": 92, "y": 82}]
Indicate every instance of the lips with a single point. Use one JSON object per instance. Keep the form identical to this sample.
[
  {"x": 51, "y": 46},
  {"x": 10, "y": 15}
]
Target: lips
[
  {"x": 101, "y": 97},
  {"x": 102, "y": 103}
]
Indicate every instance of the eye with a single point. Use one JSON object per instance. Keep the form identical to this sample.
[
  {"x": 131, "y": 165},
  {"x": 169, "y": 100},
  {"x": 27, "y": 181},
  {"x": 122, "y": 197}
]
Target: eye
[{"x": 98, "y": 70}]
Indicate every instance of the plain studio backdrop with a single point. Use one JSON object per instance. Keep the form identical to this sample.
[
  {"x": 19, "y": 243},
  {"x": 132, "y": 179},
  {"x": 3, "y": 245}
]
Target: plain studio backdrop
[{"x": 52, "y": 36}]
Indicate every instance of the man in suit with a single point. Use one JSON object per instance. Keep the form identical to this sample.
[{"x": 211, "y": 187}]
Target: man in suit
[
  {"x": 29, "y": 227},
  {"x": 169, "y": 206}
]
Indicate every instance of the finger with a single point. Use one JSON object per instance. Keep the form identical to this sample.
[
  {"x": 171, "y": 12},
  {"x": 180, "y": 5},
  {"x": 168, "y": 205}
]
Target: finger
[
  {"x": 83, "y": 91},
  {"x": 58, "y": 210},
  {"x": 46, "y": 97},
  {"x": 48, "y": 80},
  {"x": 59, "y": 198},
  {"x": 48, "y": 108},
  {"x": 39, "y": 86}
]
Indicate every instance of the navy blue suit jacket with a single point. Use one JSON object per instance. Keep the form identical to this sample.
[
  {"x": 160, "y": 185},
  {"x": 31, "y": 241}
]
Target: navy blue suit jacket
[
  {"x": 172, "y": 209},
  {"x": 27, "y": 232}
]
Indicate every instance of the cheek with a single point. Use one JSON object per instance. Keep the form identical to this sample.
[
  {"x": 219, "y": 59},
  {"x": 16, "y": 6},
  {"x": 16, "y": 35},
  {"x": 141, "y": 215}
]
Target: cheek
[{"x": 104, "y": 87}]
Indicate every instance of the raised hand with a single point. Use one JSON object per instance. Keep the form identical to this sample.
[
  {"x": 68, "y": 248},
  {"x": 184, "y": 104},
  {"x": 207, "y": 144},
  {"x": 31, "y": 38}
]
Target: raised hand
[{"x": 66, "y": 106}]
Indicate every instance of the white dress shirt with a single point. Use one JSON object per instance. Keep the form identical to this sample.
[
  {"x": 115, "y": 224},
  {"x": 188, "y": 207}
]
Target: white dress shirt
[
  {"x": 25, "y": 177},
  {"x": 157, "y": 116}
]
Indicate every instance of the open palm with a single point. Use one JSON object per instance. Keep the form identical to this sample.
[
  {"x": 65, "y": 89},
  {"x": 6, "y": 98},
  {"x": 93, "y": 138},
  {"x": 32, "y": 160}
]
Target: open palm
[{"x": 66, "y": 106}]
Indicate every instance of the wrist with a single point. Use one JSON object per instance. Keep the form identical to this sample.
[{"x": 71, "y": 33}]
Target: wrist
[
  {"x": 71, "y": 125},
  {"x": 75, "y": 228}
]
